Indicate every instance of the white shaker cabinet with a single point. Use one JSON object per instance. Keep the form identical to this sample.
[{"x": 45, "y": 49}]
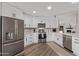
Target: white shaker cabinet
[
  {"x": 29, "y": 39},
  {"x": 49, "y": 37},
  {"x": 75, "y": 45},
  {"x": 58, "y": 38},
  {"x": 28, "y": 21},
  {"x": 35, "y": 37}
]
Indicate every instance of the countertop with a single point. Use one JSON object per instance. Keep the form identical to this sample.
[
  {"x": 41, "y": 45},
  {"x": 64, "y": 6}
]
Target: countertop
[{"x": 71, "y": 34}]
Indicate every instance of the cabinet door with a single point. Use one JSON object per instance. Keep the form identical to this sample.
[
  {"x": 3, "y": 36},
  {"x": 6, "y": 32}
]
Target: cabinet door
[
  {"x": 49, "y": 37},
  {"x": 35, "y": 38},
  {"x": 60, "y": 39},
  {"x": 75, "y": 45},
  {"x": 29, "y": 40}
]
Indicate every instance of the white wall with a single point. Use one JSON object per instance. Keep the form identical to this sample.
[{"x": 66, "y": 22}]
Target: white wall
[{"x": 9, "y": 10}]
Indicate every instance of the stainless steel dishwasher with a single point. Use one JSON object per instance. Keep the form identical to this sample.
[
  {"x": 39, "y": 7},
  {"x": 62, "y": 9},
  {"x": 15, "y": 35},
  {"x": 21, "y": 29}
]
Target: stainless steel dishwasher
[{"x": 67, "y": 42}]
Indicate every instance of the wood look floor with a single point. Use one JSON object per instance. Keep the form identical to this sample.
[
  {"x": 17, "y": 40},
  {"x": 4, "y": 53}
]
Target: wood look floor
[
  {"x": 48, "y": 49},
  {"x": 38, "y": 50},
  {"x": 61, "y": 51}
]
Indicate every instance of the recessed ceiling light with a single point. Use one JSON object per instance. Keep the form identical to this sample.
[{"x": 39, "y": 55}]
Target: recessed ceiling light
[
  {"x": 34, "y": 12},
  {"x": 49, "y": 7}
]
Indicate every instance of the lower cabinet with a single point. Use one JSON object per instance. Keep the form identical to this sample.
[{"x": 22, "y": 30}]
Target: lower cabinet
[
  {"x": 75, "y": 46},
  {"x": 49, "y": 37},
  {"x": 29, "y": 39},
  {"x": 58, "y": 38},
  {"x": 35, "y": 37}
]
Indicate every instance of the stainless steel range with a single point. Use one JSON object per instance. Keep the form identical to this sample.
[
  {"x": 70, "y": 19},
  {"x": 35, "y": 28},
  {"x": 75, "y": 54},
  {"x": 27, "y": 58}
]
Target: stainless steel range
[{"x": 41, "y": 33}]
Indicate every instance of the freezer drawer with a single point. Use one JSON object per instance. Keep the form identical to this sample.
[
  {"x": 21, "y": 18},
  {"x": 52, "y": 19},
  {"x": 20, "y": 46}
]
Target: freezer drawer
[{"x": 13, "y": 48}]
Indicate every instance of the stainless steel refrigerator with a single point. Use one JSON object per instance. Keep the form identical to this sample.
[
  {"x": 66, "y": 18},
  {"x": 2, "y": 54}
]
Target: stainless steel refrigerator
[{"x": 12, "y": 36}]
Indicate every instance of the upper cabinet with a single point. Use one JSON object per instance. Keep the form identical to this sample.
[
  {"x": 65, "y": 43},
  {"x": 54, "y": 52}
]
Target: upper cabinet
[
  {"x": 28, "y": 21},
  {"x": 37, "y": 20},
  {"x": 50, "y": 22},
  {"x": 66, "y": 19}
]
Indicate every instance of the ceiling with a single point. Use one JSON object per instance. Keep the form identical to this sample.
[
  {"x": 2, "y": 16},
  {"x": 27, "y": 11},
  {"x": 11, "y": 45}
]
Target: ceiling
[{"x": 41, "y": 7}]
